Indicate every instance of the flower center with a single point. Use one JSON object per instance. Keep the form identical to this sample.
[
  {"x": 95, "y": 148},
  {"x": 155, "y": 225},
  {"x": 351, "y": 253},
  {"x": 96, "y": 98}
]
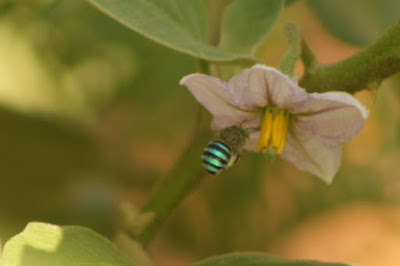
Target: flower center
[{"x": 273, "y": 130}]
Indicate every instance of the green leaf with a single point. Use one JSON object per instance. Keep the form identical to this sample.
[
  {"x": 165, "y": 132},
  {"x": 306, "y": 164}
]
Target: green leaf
[
  {"x": 358, "y": 22},
  {"x": 260, "y": 259},
  {"x": 133, "y": 249},
  {"x": 178, "y": 24},
  {"x": 247, "y": 23},
  {"x": 45, "y": 244}
]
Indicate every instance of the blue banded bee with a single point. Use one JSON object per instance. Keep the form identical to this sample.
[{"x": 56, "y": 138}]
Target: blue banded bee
[{"x": 224, "y": 150}]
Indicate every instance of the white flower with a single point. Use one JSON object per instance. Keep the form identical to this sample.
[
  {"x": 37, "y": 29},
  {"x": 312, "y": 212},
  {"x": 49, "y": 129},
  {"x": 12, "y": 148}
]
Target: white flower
[{"x": 306, "y": 129}]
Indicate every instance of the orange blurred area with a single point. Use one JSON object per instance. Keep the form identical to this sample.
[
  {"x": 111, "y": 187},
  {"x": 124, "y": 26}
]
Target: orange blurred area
[{"x": 365, "y": 234}]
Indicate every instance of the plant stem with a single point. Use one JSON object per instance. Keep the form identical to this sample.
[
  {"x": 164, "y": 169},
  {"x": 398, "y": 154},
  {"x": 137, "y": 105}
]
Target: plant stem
[
  {"x": 293, "y": 52},
  {"x": 375, "y": 63},
  {"x": 175, "y": 186},
  {"x": 183, "y": 178},
  {"x": 307, "y": 57},
  {"x": 202, "y": 66}
]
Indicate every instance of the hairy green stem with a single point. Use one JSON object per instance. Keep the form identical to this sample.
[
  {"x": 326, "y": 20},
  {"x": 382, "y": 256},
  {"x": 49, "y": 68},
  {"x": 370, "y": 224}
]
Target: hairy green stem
[
  {"x": 378, "y": 61},
  {"x": 183, "y": 178},
  {"x": 307, "y": 57},
  {"x": 175, "y": 186},
  {"x": 293, "y": 52}
]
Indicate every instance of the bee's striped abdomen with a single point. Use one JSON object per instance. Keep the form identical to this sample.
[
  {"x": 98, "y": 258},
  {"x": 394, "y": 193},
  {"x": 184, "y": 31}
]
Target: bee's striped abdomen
[{"x": 216, "y": 157}]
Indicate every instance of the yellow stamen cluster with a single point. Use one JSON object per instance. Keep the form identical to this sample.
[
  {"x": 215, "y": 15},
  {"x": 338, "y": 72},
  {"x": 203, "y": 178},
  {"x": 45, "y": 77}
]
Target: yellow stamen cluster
[{"x": 273, "y": 130}]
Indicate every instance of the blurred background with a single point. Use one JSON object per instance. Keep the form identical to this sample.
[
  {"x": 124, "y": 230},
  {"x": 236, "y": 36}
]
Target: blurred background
[{"x": 91, "y": 115}]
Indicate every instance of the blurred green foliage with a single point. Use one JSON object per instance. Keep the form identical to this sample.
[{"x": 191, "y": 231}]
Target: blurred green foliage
[
  {"x": 358, "y": 22},
  {"x": 48, "y": 245},
  {"x": 62, "y": 159}
]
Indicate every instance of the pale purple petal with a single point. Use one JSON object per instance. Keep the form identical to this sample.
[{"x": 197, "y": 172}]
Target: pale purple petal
[
  {"x": 309, "y": 154},
  {"x": 319, "y": 102},
  {"x": 261, "y": 85},
  {"x": 212, "y": 94},
  {"x": 333, "y": 117},
  {"x": 282, "y": 91},
  {"x": 248, "y": 89}
]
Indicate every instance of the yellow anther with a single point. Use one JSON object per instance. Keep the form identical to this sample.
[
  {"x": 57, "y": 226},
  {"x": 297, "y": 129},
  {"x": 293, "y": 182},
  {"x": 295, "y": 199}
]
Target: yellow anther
[
  {"x": 273, "y": 131},
  {"x": 285, "y": 127},
  {"x": 277, "y": 130},
  {"x": 266, "y": 130}
]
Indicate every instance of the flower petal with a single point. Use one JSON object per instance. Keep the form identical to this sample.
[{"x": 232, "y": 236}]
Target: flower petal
[
  {"x": 334, "y": 117},
  {"x": 262, "y": 85},
  {"x": 311, "y": 155},
  {"x": 213, "y": 94},
  {"x": 248, "y": 89}
]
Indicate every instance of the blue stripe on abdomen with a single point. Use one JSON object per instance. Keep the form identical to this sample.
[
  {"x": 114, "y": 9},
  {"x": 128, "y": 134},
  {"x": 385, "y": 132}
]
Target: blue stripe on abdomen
[
  {"x": 211, "y": 169},
  {"x": 221, "y": 145},
  {"x": 217, "y": 153},
  {"x": 216, "y": 157},
  {"x": 213, "y": 161}
]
